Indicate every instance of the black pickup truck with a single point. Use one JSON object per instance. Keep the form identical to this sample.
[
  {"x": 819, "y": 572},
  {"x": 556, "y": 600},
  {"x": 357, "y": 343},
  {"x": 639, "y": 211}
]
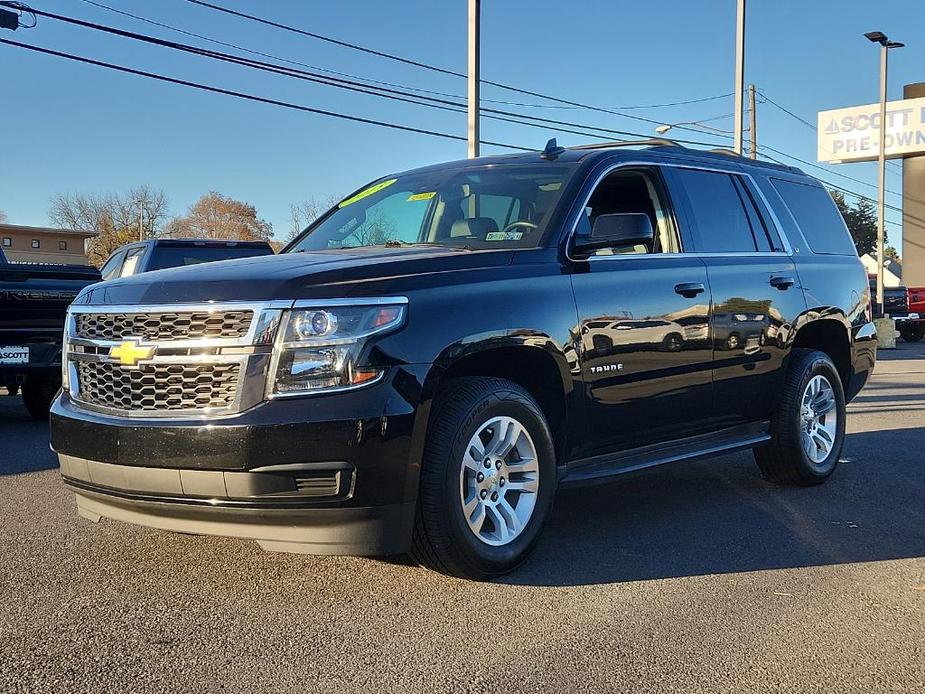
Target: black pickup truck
[
  {"x": 33, "y": 305},
  {"x": 433, "y": 358}
]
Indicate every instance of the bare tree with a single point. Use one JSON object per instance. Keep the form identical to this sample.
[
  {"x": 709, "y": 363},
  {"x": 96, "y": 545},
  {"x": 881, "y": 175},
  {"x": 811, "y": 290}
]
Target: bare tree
[
  {"x": 215, "y": 216},
  {"x": 117, "y": 218},
  {"x": 2, "y": 217},
  {"x": 301, "y": 214}
]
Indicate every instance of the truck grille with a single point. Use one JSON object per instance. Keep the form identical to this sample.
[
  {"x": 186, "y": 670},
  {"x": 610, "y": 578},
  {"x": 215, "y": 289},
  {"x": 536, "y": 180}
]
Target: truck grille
[
  {"x": 163, "y": 327},
  {"x": 158, "y": 387},
  {"x": 177, "y": 361}
]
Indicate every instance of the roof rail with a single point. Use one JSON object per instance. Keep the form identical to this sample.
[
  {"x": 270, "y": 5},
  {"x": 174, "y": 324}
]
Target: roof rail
[
  {"x": 651, "y": 142},
  {"x": 727, "y": 152}
]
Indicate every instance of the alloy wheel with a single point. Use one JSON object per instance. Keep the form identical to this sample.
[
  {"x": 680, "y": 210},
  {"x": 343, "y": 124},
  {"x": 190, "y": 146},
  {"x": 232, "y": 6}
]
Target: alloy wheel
[
  {"x": 499, "y": 481},
  {"x": 818, "y": 419}
]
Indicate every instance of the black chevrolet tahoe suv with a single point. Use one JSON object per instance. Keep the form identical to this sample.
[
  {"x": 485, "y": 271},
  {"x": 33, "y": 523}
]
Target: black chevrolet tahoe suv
[{"x": 423, "y": 367}]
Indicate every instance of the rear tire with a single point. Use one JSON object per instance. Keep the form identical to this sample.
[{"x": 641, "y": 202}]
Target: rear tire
[
  {"x": 37, "y": 394},
  {"x": 912, "y": 333},
  {"x": 482, "y": 430},
  {"x": 808, "y": 423}
]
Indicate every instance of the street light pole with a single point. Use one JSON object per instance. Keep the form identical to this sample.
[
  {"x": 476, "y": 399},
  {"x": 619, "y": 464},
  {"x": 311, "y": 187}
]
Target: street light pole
[
  {"x": 881, "y": 177},
  {"x": 740, "y": 76},
  {"x": 473, "y": 75},
  {"x": 885, "y": 46}
]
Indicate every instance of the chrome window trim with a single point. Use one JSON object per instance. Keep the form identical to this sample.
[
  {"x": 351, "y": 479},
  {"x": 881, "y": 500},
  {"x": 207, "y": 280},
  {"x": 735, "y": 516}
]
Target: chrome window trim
[{"x": 572, "y": 223}]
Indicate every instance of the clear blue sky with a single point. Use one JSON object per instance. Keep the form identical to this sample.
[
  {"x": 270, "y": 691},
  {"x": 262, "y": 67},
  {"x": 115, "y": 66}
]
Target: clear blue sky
[{"x": 72, "y": 127}]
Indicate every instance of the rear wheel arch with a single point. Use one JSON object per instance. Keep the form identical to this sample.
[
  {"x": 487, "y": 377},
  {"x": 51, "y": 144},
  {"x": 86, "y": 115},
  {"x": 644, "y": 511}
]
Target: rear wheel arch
[{"x": 830, "y": 336}]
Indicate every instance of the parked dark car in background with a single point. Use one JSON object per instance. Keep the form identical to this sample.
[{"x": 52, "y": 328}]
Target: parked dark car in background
[
  {"x": 33, "y": 304},
  {"x": 432, "y": 359},
  {"x": 158, "y": 254}
]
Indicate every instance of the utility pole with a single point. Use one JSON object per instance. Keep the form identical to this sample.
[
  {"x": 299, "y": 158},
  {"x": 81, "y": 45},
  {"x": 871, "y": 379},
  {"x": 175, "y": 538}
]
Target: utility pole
[
  {"x": 141, "y": 219},
  {"x": 740, "y": 76},
  {"x": 473, "y": 74},
  {"x": 752, "y": 124}
]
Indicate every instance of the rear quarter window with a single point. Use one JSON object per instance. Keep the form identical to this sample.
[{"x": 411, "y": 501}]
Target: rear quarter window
[{"x": 816, "y": 215}]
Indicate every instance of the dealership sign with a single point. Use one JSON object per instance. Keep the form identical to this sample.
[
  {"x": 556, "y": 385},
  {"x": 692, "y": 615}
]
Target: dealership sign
[{"x": 853, "y": 134}]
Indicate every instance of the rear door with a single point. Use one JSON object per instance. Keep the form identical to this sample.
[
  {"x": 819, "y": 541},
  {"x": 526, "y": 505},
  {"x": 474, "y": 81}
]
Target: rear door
[
  {"x": 644, "y": 352},
  {"x": 755, "y": 288}
]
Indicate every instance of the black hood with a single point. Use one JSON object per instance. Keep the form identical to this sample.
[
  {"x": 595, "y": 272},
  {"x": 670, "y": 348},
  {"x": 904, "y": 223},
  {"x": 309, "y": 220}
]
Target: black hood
[{"x": 318, "y": 274}]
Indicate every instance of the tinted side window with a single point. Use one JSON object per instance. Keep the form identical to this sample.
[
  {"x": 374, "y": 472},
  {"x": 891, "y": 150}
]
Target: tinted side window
[
  {"x": 816, "y": 215},
  {"x": 720, "y": 222},
  {"x": 111, "y": 267}
]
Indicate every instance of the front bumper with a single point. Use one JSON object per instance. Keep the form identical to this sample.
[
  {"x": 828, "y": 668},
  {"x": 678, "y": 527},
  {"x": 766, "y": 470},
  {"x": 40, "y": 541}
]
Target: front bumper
[{"x": 333, "y": 474}]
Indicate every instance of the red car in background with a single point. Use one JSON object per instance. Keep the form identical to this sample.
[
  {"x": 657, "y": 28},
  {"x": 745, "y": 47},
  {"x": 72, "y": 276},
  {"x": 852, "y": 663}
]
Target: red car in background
[{"x": 912, "y": 329}]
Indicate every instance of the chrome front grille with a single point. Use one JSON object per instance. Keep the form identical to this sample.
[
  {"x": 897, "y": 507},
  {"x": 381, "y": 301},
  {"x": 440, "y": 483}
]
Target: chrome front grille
[
  {"x": 186, "y": 325},
  {"x": 178, "y": 361},
  {"x": 157, "y": 387}
]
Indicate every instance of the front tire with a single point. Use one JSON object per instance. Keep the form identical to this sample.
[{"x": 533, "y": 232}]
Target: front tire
[
  {"x": 487, "y": 480},
  {"x": 808, "y": 424},
  {"x": 37, "y": 394}
]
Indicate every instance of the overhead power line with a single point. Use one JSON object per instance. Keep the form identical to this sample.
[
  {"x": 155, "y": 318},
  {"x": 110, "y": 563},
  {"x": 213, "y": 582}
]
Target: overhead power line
[
  {"x": 365, "y": 88},
  {"x": 426, "y": 66},
  {"x": 799, "y": 118},
  {"x": 500, "y": 85},
  {"x": 371, "y": 80},
  {"x": 251, "y": 97},
  {"x": 356, "y": 86}
]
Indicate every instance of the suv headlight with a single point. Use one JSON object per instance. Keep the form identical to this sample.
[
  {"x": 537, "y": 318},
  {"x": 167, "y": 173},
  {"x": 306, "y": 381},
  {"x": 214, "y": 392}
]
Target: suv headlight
[{"x": 318, "y": 349}]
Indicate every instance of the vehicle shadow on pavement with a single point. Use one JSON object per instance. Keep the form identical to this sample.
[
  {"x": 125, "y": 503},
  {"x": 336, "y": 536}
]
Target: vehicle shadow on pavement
[
  {"x": 719, "y": 516},
  {"x": 23, "y": 441}
]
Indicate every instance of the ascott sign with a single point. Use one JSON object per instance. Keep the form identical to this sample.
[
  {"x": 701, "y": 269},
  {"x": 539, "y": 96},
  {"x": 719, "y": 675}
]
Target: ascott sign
[{"x": 853, "y": 134}]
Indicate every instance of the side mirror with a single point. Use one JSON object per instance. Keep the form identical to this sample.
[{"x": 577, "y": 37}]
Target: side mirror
[{"x": 615, "y": 230}]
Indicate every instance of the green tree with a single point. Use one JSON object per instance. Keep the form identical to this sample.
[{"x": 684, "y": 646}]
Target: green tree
[{"x": 861, "y": 220}]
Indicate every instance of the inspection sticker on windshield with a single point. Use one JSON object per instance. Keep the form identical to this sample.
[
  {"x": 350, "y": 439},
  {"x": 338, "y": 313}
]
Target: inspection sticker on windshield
[
  {"x": 14, "y": 355},
  {"x": 504, "y": 236},
  {"x": 421, "y": 196},
  {"x": 367, "y": 192}
]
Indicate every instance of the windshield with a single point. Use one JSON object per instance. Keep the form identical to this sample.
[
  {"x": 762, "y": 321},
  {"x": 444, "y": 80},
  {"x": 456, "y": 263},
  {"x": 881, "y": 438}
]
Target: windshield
[{"x": 492, "y": 207}]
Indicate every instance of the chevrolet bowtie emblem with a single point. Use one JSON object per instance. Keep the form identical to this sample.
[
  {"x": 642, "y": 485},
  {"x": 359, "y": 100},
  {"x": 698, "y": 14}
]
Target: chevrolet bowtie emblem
[{"x": 129, "y": 352}]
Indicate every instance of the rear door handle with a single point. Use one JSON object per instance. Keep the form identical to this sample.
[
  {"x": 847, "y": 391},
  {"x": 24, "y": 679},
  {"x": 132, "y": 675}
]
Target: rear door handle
[
  {"x": 782, "y": 282},
  {"x": 689, "y": 289}
]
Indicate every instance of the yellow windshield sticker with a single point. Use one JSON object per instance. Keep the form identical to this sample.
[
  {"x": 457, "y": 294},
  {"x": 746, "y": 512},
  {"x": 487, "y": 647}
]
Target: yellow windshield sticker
[
  {"x": 372, "y": 190},
  {"x": 421, "y": 196}
]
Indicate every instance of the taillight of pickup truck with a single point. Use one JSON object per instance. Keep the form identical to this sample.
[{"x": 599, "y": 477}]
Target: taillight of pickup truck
[{"x": 917, "y": 300}]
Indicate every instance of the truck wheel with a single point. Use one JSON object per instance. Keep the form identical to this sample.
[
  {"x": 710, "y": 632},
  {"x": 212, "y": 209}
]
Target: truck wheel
[
  {"x": 487, "y": 480},
  {"x": 808, "y": 424},
  {"x": 37, "y": 394},
  {"x": 911, "y": 333}
]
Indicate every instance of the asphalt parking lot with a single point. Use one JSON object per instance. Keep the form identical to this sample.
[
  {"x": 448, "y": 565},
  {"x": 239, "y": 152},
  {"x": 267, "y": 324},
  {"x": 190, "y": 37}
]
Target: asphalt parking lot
[{"x": 692, "y": 578}]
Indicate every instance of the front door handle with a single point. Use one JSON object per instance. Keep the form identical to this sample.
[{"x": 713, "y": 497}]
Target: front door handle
[
  {"x": 689, "y": 289},
  {"x": 782, "y": 282}
]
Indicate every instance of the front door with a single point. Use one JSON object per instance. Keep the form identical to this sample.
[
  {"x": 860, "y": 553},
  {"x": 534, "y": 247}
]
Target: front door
[{"x": 643, "y": 333}]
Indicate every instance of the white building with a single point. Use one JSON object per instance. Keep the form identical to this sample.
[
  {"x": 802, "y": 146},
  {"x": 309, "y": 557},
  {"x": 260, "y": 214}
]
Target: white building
[{"x": 892, "y": 270}]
